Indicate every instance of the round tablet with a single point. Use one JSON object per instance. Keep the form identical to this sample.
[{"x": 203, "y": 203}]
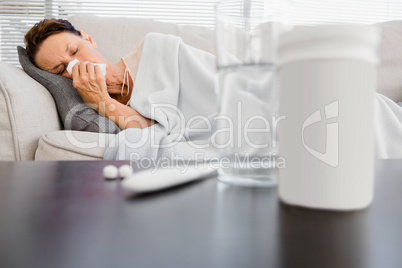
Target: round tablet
[
  {"x": 125, "y": 171},
  {"x": 110, "y": 172}
]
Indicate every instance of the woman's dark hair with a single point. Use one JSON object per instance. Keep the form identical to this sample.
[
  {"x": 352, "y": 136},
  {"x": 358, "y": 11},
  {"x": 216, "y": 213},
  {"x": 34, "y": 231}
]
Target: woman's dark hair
[{"x": 42, "y": 30}]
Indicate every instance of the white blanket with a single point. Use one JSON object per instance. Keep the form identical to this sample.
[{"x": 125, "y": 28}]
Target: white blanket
[
  {"x": 175, "y": 86},
  {"x": 388, "y": 127}
]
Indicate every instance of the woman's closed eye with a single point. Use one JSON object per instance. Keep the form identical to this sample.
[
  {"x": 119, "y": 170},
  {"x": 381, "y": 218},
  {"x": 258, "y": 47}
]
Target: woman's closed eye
[
  {"x": 62, "y": 71},
  {"x": 65, "y": 68},
  {"x": 75, "y": 52}
]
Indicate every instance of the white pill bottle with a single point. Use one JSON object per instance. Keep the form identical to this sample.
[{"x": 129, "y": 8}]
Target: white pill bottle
[{"x": 327, "y": 80}]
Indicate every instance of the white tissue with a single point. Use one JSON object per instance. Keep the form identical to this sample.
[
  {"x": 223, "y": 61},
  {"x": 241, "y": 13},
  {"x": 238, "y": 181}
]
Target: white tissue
[
  {"x": 71, "y": 65},
  {"x": 75, "y": 61}
]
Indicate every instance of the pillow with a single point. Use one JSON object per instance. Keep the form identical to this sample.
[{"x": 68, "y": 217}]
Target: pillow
[{"x": 73, "y": 112}]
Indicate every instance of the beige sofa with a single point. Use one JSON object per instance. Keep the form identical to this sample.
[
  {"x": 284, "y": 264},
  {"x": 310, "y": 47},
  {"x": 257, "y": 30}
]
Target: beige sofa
[
  {"x": 30, "y": 128},
  {"x": 29, "y": 124}
]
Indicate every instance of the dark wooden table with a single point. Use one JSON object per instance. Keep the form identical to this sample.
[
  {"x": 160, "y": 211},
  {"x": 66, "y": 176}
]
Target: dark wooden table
[{"x": 65, "y": 215}]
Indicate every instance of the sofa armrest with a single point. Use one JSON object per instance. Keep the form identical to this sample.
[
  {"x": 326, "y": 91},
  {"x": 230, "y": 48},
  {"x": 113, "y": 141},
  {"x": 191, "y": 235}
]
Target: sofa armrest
[{"x": 27, "y": 111}]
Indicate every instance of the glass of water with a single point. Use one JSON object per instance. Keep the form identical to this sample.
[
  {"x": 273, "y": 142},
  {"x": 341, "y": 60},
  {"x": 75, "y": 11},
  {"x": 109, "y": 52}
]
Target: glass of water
[{"x": 246, "y": 45}]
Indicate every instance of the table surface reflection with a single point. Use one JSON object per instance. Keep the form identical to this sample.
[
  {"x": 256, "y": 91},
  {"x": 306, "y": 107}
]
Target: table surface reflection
[{"x": 64, "y": 214}]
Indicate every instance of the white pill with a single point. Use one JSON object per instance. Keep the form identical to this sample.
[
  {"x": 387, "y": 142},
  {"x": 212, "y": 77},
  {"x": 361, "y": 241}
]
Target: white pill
[
  {"x": 125, "y": 171},
  {"x": 110, "y": 172}
]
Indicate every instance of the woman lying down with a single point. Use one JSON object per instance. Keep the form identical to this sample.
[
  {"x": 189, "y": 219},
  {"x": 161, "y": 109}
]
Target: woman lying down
[
  {"x": 149, "y": 93},
  {"x": 52, "y": 44},
  {"x": 153, "y": 90}
]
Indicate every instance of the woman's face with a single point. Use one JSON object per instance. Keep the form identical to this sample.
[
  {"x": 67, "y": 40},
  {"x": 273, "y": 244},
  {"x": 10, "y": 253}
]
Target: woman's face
[{"x": 58, "y": 50}]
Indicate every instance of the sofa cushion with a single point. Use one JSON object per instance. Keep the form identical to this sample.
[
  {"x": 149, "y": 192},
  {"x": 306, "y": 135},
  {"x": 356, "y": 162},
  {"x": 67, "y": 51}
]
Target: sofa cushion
[
  {"x": 73, "y": 112},
  {"x": 72, "y": 145},
  {"x": 116, "y": 37},
  {"x": 390, "y": 68},
  {"x": 27, "y": 112}
]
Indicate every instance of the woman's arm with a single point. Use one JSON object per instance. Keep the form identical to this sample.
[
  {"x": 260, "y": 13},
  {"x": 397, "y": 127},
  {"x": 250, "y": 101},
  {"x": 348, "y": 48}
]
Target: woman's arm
[
  {"x": 123, "y": 115},
  {"x": 91, "y": 85}
]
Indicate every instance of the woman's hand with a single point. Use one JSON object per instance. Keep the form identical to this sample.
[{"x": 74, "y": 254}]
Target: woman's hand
[{"x": 90, "y": 84}]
